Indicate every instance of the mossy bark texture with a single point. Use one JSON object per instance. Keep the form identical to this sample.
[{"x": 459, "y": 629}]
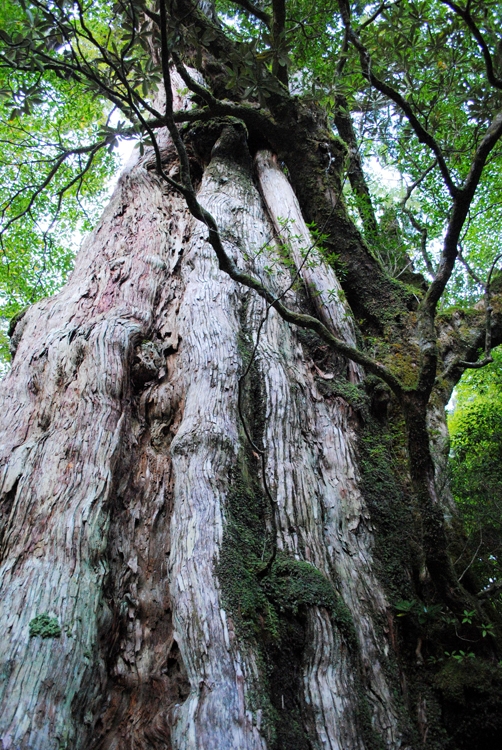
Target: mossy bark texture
[{"x": 209, "y": 592}]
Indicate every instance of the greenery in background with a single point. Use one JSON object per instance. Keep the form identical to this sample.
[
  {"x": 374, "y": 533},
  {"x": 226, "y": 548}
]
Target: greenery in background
[
  {"x": 45, "y": 121},
  {"x": 420, "y": 47},
  {"x": 476, "y": 460}
]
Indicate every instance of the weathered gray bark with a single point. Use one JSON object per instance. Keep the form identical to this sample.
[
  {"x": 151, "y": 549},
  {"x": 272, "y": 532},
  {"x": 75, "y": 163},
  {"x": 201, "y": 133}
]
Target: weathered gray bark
[{"x": 120, "y": 432}]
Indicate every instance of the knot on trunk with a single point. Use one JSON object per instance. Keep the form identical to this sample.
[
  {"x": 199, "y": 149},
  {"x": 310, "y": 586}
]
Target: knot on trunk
[
  {"x": 224, "y": 137},
  {"x": 147, "y": 363}
]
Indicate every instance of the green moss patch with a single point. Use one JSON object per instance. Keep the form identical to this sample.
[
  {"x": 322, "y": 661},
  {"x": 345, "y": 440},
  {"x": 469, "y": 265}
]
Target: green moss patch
[
  {"x": 354, "y": 395},
  {"x": 270, "y": 609},
  {"x": 256, "y": 601},
  {"x": 383, "y": 460},
  {"x": 44, "y": 626}
]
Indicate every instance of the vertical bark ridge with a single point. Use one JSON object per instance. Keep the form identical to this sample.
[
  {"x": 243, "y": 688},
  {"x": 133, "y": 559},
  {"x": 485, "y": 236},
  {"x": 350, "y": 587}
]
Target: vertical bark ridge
[
  {"x": 323, "y": 519},
  {"x": 318, "y": 461},
  {"x": 281, "y": 203},
  {"x": 294, "y": 470},
  {"x": 203, "y": 451}
]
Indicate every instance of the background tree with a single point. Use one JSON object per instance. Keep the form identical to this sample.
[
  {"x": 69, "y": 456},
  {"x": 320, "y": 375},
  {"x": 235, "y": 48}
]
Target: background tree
[
  {"x": 203, "y": 389},
  {"x": 476, "y": 434}
]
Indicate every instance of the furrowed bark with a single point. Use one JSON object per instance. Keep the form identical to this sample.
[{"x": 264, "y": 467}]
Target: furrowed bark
[
  {"x": 133, "y": 507},
  {"x": 67, "y": 406},
  {"x": 116, "y": 478}
]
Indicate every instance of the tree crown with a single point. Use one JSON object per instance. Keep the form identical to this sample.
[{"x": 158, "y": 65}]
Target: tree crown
[{"x": 412, "y": 87}]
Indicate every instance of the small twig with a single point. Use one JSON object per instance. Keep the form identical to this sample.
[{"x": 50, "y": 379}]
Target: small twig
[
  {"x": 418, "y": 181},
  {"x": 423, "y": 240},
  {"x": 473, "y": 557},
  {"x": 468, "y": 267},
  {"x": 375, "y": 15},
  {"x": 488, "y": 359}
]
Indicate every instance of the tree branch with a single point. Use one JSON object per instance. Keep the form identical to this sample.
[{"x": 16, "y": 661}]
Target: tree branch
[
  {"x": 278, "y": 40},
  {"x": 421, "y": 132},
  {"x": 423, "y": 241},
  {"x": 418, "y": 181},
  {"x": 253, "y": 116},
  {"x": 468, "y": 268},
  {"x": 471, "y": 24},
  {"x": 459, "y": 213},
  {"x": 58, "y": 162},
  {"x": 168, "y": 89},
  {"x": 220, "y": 47},
  {"x": 345, "y": 127},
  {"x": 490, "y": 590},
  {"x": 374, "y": 16},
  {"x": 257, "y": 12},
  {"x": 79, "y": 66}
]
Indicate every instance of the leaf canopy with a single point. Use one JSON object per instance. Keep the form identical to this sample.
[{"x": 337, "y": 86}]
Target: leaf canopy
[{"x": 419, "y": 80}]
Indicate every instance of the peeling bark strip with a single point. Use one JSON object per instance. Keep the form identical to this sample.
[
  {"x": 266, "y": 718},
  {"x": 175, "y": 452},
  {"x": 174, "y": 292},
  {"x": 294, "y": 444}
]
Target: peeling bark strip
[{"x": 121, "y": 446}]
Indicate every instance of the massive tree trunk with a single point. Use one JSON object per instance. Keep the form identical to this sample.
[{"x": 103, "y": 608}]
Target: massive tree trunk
[{"x": 183, "y": 568}]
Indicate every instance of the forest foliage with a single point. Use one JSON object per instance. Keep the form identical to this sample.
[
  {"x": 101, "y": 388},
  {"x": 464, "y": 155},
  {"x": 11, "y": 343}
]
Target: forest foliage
[
  {"x": 476, "y": 457},
  {"x": 53, "y": 178},
  {"x": 64, "y": 67}
]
